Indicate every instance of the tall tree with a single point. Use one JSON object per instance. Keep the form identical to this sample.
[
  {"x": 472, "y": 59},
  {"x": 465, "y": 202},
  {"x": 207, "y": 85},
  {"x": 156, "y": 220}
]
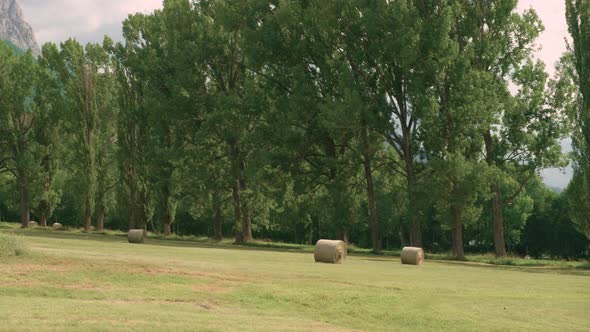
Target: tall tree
[
  {"x": 86, "y": 76},
  {"x": 523, "y": 131},
  {"x": 394, "y": 75},
  {"x": 131, "y": 121},
  {"x": 317, "y": 126},
  {"x": 45, "y": 197},
  {"x": 451, "y": 131},
  {"x": 578, "y": 20},
  {"x": 19, "y": 78}
]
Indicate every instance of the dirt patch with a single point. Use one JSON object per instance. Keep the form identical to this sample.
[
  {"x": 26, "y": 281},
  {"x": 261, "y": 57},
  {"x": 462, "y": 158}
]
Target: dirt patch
[
  {"x": 211, "y": 289},
  {"x": 216, "y": 276},
  {"x": 208, "y": 305},
  {"x": 23, "y": 269},
  {"x": 21, "y": 283},
  {"x": 85, "y": 287}
]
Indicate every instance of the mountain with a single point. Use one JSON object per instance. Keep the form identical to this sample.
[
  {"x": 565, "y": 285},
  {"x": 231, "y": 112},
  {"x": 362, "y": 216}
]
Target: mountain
[{"x": 14, "y": 28}]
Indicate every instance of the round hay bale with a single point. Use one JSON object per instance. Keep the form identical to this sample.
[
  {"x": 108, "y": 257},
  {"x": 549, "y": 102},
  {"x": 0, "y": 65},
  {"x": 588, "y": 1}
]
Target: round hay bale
[
  {"x": 330, "y": 251},
  {"x": 33, "y": 224},
  {"x": 57, "y": 226},
  {"x": 412, "y": 256},
  {"x": 136, "y": 236}
]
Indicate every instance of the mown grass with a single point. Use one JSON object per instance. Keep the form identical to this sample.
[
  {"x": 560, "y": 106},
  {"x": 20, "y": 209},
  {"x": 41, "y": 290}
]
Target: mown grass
[
  {"x": 229, "y": 242},
  {"x": 95, "y": 282}
]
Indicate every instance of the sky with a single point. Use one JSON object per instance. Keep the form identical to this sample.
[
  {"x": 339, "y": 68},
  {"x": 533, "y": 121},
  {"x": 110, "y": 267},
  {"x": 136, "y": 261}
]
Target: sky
[{"x": 90, "y": 20}]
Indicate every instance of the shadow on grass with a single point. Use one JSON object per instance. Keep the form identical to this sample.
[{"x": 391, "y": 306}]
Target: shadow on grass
[
  {"x": 156, "y": 241},
  {"x": 581, "y": 270},
  {"x": 514, "y": 264}
]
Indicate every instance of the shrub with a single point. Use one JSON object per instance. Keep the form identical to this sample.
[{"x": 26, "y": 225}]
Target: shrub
[{"x": 11, "y": 245}]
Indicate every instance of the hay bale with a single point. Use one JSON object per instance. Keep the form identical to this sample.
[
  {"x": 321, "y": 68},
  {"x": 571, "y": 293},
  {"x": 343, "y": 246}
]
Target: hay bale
[
  {"x": 412, "y": 256},
  {"x": 136, "y": 236},
  {"x": 57, "y": 226},
  {"x": 330, "y": 251},
  {"x": 33, "y": 224}
]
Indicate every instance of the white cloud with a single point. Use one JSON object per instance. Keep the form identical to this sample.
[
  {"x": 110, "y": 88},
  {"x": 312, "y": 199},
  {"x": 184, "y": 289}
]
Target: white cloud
[
  {"x": 552, "y": 40},
  {"x": 85, "y": 20}
]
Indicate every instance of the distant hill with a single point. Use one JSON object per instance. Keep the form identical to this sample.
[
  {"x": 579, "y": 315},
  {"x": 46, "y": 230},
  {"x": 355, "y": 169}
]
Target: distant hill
[
  {"x": 14, "y": 28},
  {"x": 556, "y": 189}
]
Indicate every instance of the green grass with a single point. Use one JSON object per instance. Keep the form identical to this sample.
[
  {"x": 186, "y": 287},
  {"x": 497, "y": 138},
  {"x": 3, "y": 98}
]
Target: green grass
[
  {"x": 11, "y": 245},
  {"x": 77, "y": 281}
]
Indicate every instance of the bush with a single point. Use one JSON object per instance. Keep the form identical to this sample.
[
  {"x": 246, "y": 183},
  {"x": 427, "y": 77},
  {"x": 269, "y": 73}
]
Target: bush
[{"x": 11, "y": 245}]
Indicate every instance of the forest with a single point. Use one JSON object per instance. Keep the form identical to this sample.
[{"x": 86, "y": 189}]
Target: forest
[{"x": 382, "y": 123}]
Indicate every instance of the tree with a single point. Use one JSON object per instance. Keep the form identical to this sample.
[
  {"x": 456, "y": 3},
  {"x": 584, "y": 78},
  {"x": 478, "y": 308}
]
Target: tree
[
  {"x": 19, "y": 78},
  {"x": 86, "y": 76},
  {"x": 47, "y": 135},
  {"x": 578, "y": 20},
  {"x": 131, "y": 120},
  {"x": 523, "y": 131},
  {"x": 401, "y": 71},
  {"x": 316, "y": 123}
]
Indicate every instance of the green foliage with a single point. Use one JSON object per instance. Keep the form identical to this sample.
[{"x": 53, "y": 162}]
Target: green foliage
[
  {"x": 380, "y": 122},
  {"x": 575, "y": 69}
]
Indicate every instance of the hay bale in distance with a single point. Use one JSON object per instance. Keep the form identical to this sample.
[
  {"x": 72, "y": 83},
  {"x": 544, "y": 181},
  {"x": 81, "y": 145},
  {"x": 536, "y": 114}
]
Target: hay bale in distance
[
  {"x": 136, "y": 236},
  {"x": 57, "y": 226},
  {"x": 412, "y": 256},
  {"x": 33, "y": 224},
  {"x": 330, "y": 251}
]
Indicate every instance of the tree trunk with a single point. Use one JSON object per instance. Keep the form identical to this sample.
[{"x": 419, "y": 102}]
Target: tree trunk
[
  {"x": 132, "y": 199},
  {"x": 242, "y": 213},
  {"x": 343, "y": 235},
  {"x": 237, "y": 210},
  {"x": 497, "y": 205},
  {"x": 497, "y": 208},
  {"x": 167, "y": 222},
  {"x": 246, "y": 224},
  {"x": 402, "y": 239},
  {"x": 25, "y": 216},
  {"x": 43, "y": 218},
  {"x": 246, "y": 221},
  {"x": 142, "y": 219},
  {"x": 415, "y": 229},
  {"x": 43, "y": 211},
  {"x": 457, "y": 233},
  {"x": 373, "y": 222},
  {"x": 217, "y": 222},
  {"x": 88, "y": 212},
  {"x": 100, "y": 219}
]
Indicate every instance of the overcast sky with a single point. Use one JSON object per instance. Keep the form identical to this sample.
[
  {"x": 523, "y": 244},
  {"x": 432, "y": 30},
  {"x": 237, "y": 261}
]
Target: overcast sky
[{"x": 90, "y": 20}]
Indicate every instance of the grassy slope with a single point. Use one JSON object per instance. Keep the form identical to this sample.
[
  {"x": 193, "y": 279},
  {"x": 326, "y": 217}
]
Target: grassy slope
[{"x": 96, "y": 282}]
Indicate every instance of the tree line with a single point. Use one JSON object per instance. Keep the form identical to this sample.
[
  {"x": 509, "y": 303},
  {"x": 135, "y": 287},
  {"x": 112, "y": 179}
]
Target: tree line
[{"x": 383, "y": 123}]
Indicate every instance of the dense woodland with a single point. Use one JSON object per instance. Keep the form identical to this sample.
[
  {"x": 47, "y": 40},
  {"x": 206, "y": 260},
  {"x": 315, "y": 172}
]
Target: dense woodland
[{"x": 384, "y": 123}]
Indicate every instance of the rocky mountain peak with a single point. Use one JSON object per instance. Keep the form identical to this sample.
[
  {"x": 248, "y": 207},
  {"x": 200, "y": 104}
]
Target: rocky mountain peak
[{"x": 14, "y": 28}]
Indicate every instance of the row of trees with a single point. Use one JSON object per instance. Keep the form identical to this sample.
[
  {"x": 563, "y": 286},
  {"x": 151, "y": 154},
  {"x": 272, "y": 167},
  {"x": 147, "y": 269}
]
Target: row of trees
[{"x": 373, "y": 121}]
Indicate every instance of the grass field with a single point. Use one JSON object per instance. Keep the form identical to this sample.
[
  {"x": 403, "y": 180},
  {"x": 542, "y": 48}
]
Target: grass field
[{"x": 91, "y": 282}]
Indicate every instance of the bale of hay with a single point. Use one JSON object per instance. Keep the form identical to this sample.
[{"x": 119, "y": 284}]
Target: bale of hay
[
  {"x": 57, "y": 226},
  {"x": 330, "y": 251},
  {"x": 33, "y": 224},
  {"x": 136, "y": 236},
  {"x": 412, "y": 256}
]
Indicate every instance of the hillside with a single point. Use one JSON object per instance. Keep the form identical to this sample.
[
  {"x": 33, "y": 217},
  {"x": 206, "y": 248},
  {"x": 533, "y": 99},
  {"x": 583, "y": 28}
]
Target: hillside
[{"x": 15, "y": 29}]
